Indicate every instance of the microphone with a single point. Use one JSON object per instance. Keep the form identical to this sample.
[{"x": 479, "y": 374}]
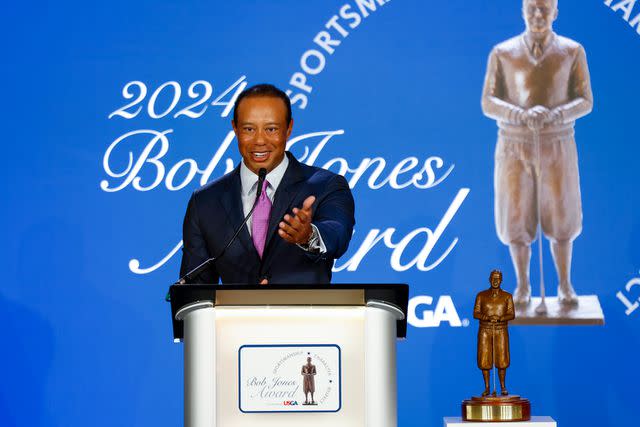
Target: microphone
[
  {"x": 187, "y": 278},
  {"x": 262, "y": 175}
]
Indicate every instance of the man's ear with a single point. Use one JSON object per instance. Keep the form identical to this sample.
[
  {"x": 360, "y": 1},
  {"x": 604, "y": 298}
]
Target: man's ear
[{"x": 289, "y": 128}]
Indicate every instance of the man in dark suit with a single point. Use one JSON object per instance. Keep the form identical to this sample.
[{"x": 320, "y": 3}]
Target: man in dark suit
[{"x": 303, "y": 218}]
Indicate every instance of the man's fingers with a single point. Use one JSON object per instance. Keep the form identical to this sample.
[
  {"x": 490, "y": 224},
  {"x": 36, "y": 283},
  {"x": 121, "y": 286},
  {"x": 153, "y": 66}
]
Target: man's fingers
[
  {"x": 294, "y": 231},
  {"x": 289, "y": 227},
  {"x": 302, "y": 215},
  {"x": 540, "y": 109},
  {"x": 296, "y": 228},
  {"x": 537, "y": 111},
  {"x": 294, "y": 221},
  {"x": 286, "y": 236},
  {"x": 264, "y": 282}
]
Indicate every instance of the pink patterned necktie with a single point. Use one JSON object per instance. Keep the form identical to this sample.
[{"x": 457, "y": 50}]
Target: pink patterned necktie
[{"x": 260, "y": 221}]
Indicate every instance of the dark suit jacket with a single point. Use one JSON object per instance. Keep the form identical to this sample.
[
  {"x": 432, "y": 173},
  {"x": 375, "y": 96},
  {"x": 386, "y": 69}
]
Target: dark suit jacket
[{"x": 215, "y": 212}]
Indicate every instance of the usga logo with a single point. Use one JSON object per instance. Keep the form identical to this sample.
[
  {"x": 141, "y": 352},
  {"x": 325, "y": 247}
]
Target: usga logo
[
  {"x": 290, "y": 403},
  {"x": 420, "y": 315}
]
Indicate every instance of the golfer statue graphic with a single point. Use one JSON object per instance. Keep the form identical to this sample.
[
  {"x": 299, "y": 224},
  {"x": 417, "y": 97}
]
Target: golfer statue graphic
[
  {"x": 536, "y": 86},
  {"x": 308, "y": 382}
]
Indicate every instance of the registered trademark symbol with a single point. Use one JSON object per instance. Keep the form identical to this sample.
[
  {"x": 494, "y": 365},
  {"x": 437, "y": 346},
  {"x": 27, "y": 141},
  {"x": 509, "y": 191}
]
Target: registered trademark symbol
[{"x": 465, "y": 322}]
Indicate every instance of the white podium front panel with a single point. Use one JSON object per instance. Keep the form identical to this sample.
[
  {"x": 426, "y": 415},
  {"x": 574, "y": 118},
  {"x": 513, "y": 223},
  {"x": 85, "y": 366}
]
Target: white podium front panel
[{"x": 284, "y": 333}]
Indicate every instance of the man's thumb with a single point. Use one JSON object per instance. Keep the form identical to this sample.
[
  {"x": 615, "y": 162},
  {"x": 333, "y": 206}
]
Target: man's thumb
[{"x": 308, "y": 202}]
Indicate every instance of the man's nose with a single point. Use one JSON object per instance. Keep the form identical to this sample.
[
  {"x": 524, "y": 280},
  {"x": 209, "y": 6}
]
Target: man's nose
[
  {"x": 260, "y": 137},
  {"x": 538, "y": 13}
]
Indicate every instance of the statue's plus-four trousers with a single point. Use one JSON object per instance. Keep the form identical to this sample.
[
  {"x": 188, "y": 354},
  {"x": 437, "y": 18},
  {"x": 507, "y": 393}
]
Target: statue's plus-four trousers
[{"x": 494, "y": 309}]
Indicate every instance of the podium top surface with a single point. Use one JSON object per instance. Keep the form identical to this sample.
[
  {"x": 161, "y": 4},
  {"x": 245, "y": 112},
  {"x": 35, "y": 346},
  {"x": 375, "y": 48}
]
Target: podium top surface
[{"x": 289, "y": 295}]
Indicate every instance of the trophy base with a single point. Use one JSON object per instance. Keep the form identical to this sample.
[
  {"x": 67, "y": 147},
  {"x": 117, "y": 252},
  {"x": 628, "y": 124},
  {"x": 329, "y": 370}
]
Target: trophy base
[
  {"x": 496, "y": 408},
  {"x": 539, "y": 421}
]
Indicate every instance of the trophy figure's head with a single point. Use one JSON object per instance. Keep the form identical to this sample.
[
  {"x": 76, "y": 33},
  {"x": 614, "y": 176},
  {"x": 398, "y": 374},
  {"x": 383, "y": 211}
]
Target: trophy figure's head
[
  {"x": 495, "y": 278},
  {"x": 539, "y": 15}
]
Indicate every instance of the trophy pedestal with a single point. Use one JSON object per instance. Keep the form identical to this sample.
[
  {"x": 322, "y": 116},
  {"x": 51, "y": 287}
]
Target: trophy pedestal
[
  {"x": 533, "y": 422},
  {"x": 496, "y": 408}
]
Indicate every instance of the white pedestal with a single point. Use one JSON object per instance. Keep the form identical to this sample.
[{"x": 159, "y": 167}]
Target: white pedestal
[{"x": 534, "y": 422}]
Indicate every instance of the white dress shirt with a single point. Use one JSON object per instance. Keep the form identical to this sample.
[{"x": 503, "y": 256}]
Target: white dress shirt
[{"x": 249, "y": 183}]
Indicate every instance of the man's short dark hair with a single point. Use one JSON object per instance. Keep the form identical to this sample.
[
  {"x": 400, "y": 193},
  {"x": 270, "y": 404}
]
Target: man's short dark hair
[{"x": 262, "y": 90}]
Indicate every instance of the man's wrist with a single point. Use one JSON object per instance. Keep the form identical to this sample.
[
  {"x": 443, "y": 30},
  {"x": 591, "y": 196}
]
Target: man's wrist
[{"x": 312, "y": 245}]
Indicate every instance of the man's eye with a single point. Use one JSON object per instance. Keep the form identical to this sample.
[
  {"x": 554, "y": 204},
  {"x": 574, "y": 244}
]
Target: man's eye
[
  {"x": 272, "y": 130},
  {"x": 247, "y": 129}
]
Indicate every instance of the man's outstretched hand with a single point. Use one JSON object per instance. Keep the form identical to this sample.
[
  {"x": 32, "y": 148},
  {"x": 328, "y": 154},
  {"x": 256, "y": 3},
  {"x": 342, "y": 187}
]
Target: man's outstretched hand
[{"x": 296, "y": 229}]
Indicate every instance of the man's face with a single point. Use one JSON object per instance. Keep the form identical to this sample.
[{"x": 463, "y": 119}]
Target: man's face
[
  {"x": 309, "y": 360},
  {"x": 496, "y": 279},
  {"x": 262, "y": 131},
  {"x": 539, "y": 14}
]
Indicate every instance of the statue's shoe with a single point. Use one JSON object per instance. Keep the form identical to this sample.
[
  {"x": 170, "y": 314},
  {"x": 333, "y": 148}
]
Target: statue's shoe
[
  {"x": 504, "y": 392},
  {"x": 566, "y": 294},
  {"x": 522, "y": 295},
  {"x": 485, "y": 392}
]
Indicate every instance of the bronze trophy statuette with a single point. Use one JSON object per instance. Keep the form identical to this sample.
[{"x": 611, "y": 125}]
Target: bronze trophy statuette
[{"x": 494, "y": 309}]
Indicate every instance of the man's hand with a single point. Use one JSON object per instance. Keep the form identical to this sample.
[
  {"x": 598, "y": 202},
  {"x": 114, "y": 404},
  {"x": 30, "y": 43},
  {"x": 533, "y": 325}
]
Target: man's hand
[
  {"x": 537, "y": 116},
  {"x": 297, "y": 229}
]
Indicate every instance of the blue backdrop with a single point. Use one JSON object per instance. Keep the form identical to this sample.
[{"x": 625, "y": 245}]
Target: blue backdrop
[{"x": 94, "y": 191}]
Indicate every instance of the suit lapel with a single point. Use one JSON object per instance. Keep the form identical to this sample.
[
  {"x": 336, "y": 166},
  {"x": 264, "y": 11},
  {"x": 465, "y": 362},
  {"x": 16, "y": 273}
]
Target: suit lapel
[
  {"x": 288, "y": 189},
  {"x": 232, "y": 202}
]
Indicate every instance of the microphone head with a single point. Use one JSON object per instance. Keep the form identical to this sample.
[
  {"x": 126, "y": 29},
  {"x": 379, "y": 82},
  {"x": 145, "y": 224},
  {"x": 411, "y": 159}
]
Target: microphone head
[{"x": 262, "y": 173}]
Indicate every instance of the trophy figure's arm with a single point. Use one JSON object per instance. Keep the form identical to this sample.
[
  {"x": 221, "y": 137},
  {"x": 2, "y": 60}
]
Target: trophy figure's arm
[
  {"x": 493, "y": 103},
  {"x": 477, "y": 310},
  {"x": 511, "y": 313},
  {"x": 580, "y": 93}
]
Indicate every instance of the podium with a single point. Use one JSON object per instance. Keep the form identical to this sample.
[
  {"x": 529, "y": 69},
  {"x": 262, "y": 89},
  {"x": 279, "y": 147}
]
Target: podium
[{"x": 289, "y": 355}]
